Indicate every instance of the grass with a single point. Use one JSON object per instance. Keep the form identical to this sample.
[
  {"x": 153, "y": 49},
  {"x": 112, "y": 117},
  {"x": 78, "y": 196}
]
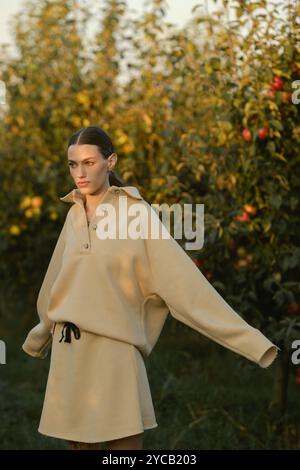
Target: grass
[{"x": 205, "y": 397}]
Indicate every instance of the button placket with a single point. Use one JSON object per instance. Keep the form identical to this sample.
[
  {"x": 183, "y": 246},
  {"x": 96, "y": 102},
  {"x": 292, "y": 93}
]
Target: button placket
[
  {"x": 82, "y": 231},
  {"x": 87, "y": 235},
  {"x": 93, "y": 221},
  {"x": 83, "y": 228},
  {"x": 94, "y": 225},
  {"x": 86, "y": 240}
]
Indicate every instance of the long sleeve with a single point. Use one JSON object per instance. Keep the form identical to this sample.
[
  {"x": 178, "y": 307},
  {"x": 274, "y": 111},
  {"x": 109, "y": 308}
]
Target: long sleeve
[
  {"x": 39, "y": 338},
  {"x": 192, "y": 300}
]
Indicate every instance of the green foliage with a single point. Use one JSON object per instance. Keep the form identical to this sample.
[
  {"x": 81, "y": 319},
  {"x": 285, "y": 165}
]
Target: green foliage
[{"x": 205, "y": 116}]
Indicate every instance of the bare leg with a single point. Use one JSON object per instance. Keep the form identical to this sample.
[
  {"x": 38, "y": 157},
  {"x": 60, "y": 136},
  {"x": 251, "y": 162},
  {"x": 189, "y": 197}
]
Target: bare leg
[
  {"x": 84, "y": 445},
  {"x": 134, "y": 442}
]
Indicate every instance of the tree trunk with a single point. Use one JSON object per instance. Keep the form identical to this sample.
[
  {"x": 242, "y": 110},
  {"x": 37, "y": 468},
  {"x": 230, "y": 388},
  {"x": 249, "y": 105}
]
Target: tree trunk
[{"x": 278, "y": 404}]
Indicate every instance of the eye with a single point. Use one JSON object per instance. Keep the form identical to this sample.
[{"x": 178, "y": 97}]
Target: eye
[{"x": 90, "y": 163}]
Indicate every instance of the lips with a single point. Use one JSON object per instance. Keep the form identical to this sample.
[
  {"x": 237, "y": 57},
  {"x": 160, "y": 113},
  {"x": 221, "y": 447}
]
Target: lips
[{"x": 83, "y": 183}]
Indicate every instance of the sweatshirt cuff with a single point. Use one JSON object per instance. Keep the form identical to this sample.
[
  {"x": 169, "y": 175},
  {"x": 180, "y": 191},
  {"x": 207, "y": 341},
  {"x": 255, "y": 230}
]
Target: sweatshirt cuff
[
  {"x": 268, "y": 356},
  {"x": 42, "y": 353},
  {"x": 38, "y": 341}
]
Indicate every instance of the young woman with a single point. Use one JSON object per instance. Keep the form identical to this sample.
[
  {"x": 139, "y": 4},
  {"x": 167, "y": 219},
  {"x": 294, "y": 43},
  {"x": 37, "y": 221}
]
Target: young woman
[{"x": 103, "y": 303}]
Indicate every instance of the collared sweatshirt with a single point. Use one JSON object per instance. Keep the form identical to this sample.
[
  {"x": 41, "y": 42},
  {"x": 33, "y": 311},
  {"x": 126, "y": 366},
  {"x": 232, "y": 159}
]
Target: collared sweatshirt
[{"x": 114, "y": 283}]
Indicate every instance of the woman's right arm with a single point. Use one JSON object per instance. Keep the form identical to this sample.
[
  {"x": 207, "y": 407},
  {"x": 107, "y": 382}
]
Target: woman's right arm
[{"x": 39, "y": 338}]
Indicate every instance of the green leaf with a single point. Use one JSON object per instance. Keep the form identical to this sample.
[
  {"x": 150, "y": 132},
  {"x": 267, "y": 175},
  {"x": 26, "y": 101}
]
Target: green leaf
[
  {"x": 275, "y": 200},
  {"x": 277, "y": 124},
  {"x": 271, "y": 147}
]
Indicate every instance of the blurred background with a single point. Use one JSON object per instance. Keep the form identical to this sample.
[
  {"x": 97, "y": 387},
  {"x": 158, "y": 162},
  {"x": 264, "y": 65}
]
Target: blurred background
[{"x": 200, "y": 101}]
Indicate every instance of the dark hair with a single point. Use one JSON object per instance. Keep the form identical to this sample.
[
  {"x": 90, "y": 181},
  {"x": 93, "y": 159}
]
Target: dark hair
[{"x": 94, "y": 135}]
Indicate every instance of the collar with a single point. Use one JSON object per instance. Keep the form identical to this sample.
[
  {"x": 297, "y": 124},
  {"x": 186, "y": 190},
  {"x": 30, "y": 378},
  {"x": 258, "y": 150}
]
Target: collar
[{"x": 75, "y": 194}]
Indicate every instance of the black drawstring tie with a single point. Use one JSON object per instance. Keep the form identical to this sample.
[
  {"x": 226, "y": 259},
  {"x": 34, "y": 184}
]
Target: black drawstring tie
[{"x": 70, "y": 327}]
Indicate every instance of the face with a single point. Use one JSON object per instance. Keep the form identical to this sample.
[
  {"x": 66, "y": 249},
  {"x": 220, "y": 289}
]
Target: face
[{"x": 87, "y": 164}]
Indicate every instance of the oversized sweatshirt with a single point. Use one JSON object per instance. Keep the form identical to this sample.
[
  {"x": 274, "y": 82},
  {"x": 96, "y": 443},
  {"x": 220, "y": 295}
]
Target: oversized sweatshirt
[{"x": 123, "y": 286}]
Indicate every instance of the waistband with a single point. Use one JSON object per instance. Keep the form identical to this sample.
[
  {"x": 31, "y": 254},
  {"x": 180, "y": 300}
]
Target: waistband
[{"x": 67, "y": 329}]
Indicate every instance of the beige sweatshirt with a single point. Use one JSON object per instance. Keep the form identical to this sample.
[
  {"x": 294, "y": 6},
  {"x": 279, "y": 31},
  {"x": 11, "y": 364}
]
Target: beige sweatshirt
[{"x": 124, "y": 288}]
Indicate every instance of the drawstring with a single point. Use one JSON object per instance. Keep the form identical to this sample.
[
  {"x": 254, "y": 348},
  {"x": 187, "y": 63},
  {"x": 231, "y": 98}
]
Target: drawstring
[{"x": 70, "y": 327}]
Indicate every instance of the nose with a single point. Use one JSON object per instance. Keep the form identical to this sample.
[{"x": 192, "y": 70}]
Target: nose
[{"x": 79, "y": 171}]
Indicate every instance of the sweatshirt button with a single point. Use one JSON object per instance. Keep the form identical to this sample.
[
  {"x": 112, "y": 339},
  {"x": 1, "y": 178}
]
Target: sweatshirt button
[
  {"x": 86, "y": 245},
  {"x": 94, "y": 226},
  {"x": 117, "y": 191}
]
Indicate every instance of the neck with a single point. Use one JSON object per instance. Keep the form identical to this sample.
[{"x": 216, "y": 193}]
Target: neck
[{"x": 92, "y": 200}]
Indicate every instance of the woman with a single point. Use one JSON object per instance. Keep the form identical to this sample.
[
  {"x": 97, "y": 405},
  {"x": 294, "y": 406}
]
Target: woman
[{"x": 103, "y": 303}]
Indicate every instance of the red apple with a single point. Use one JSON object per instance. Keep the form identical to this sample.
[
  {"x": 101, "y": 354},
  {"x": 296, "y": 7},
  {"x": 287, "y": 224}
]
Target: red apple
[
  {"x": 293, "y": 308},
  {"x": 242, "y": 263},
  {"x": 262, "y": 132},
  {"x": 270, "y": 93},
  {"x": 277, "y": 83},
  {"x": 247, "y": 134},
  {"x": 286, "y": 97},
  {"x": 296, "y": 69},
  {"x": 250, "y": 209},
  {"x": 208, "y": 275},
  {"x": 198, "y": 262},
  {"x": 244, "y": 217}
]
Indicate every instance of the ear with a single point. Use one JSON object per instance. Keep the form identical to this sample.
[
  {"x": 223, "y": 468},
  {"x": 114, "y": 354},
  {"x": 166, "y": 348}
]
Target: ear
[{"x": 113, "y": 158}]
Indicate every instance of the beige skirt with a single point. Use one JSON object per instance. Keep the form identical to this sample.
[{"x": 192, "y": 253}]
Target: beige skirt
[{"x": 97, "y": 388}]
